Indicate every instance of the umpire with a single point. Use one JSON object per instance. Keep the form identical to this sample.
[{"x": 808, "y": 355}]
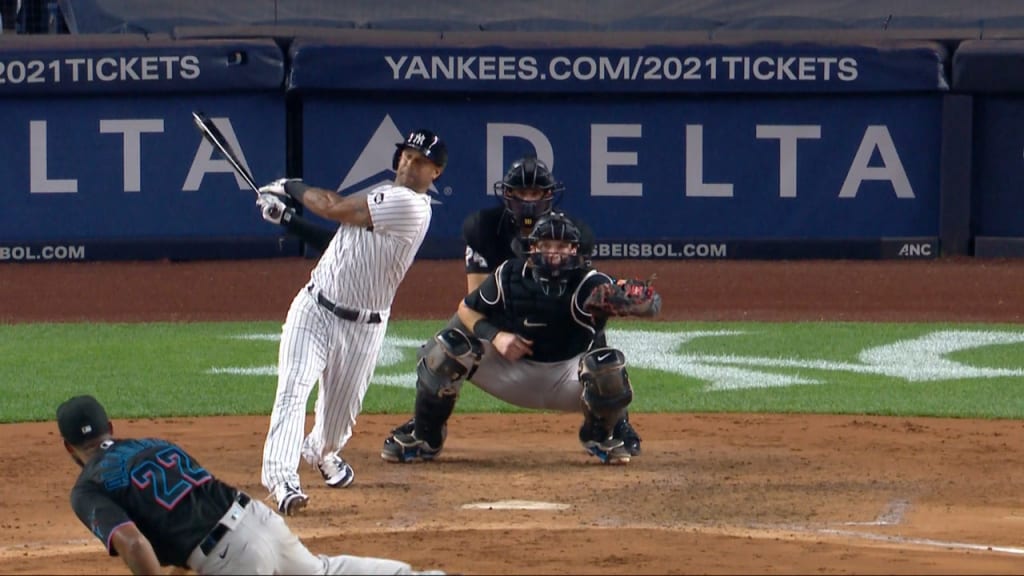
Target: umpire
[{"x": 152, "y": 504}]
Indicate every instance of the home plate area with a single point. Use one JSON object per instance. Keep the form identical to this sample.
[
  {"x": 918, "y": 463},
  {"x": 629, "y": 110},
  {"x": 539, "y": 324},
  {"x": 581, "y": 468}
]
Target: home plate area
[{"x": 515, "y": 494}]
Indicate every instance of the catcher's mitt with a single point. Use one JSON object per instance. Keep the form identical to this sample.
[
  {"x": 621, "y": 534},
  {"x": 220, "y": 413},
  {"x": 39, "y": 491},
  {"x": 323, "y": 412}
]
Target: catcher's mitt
[{"x": 633, "y": 297}]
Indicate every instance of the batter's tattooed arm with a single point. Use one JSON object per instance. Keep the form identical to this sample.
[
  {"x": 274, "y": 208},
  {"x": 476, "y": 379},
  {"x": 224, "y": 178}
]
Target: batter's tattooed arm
[{"x": 351, "y": 210}]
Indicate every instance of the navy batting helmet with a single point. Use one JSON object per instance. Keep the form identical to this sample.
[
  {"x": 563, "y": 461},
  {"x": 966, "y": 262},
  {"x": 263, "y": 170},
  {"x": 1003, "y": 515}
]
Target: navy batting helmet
[
  {"x": 528, "y": 173},
  {"x": 428, "y": 143},
  {"x": 551, "y": 269}
]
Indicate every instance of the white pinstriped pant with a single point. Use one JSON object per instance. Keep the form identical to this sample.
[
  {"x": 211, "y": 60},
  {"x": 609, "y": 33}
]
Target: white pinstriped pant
[{"x": 316, "y": 344}]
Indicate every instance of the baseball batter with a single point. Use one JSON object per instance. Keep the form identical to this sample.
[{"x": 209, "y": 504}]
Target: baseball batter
[
  {"x": 528, "y": 340},
  {"x": 337, "y": 321},
  {"x": 528, "y": 192},
  {"x": 151, "y": 503}
]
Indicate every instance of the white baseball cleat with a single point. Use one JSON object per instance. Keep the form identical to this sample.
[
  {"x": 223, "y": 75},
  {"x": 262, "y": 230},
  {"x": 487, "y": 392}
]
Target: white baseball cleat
[
  {"x": 290, "y": 498},
  {"x": 336, "y": 472}
]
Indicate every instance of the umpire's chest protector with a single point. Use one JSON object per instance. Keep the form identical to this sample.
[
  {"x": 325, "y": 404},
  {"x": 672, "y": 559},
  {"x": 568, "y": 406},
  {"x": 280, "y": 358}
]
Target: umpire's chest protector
[{"x": 548, "y": 320}]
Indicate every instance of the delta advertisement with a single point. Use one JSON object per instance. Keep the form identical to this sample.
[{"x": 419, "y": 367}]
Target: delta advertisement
[
  {"x": 657, "y": 172},
  {"x": 661, "y": 172}
]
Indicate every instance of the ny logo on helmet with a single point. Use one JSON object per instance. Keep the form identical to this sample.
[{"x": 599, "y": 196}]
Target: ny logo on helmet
[{"x": 416, "y": 138}]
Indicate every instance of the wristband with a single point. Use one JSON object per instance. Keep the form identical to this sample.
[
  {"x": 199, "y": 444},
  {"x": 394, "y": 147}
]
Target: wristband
[
  {"x": 485, "y": 330},
  {"x": 296, "y": 188}
]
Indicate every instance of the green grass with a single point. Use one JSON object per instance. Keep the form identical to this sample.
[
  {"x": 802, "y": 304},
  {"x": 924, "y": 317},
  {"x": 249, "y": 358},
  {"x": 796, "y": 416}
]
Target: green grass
[{"x": 166, "y": 369}]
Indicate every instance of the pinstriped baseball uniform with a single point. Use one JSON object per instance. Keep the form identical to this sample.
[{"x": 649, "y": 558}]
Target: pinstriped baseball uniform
[{"x": 360, "y": 271}]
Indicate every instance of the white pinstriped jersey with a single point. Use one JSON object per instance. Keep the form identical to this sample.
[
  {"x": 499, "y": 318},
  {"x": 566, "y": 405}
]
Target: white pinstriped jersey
[{"x": 361, "y": 269}]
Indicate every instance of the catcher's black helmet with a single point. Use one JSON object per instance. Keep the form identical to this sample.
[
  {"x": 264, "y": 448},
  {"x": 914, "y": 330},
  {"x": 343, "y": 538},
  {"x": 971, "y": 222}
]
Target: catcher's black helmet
[
  {"x": 551, "y": 269},
  {"x": 428, "y": 143},
  {"x": 528, "y": 173}
]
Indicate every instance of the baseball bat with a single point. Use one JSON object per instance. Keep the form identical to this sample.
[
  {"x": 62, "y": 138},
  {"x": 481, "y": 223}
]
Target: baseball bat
[{"x": 214, "y": 136}]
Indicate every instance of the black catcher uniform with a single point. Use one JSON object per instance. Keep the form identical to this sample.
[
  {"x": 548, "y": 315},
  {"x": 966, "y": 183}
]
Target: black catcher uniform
[{"x": 541, "y": 305}]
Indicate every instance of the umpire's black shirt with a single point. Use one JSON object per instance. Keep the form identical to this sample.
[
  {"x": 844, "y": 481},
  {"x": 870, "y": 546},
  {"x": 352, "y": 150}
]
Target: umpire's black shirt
[{"x": 492, "y": 236}]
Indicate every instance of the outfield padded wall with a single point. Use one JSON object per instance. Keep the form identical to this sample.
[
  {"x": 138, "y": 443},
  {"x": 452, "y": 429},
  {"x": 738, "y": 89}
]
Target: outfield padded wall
[
  {"x": 989, "y": 70},
  {"x": 673, "y": 147}
]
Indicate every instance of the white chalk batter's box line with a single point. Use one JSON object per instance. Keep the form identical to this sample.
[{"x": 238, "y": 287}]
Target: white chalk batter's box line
[{"x": 794, "y": 533}]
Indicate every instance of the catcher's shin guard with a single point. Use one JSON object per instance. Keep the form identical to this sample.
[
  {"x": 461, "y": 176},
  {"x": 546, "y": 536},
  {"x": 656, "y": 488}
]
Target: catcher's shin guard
[
  {"x": 446, "y": 361},
  {"x": 606, "y": 387},
  {"x": 422, "y": 437},
  {"x": 606, "y": 394},
  {"x": 432, "y": 413}
]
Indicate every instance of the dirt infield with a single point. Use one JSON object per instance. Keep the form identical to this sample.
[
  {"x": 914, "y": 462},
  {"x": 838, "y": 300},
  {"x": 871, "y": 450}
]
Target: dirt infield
[{"x": 723, "y": 493}]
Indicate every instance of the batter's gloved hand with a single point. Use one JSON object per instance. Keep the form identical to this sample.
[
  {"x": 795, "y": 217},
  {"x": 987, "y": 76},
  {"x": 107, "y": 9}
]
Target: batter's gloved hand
[
  {"x": 277, "y": 189},
  {"x": 633, "y": 297},
  {"x": 273, "y": 208}
]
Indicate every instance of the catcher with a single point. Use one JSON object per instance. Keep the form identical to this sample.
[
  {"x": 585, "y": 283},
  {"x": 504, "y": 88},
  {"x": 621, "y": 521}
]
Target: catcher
[{"x": 531, "y": 326}]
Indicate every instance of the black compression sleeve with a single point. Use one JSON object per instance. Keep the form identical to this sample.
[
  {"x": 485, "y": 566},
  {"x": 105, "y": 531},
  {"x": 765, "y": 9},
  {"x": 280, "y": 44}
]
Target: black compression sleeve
[
  {"x": 296, "y": 188},
  {"x": 308, "y": 232}
]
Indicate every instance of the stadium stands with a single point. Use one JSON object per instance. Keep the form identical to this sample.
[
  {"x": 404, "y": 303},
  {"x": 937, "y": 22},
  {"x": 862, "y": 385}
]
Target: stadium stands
[
  {"x": 903, "y": 19},
  {"x": 420, "y": 24},
  {"x": 540, "y": 25}
]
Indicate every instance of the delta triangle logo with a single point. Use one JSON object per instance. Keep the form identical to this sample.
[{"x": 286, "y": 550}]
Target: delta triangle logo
[{"x": 373, "y": 166}]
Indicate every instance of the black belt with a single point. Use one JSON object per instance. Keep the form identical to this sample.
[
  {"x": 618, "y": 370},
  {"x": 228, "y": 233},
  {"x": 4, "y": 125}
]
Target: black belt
[
  {"x": 342, "y": 312},
  {"x": 210, "y": 541}
]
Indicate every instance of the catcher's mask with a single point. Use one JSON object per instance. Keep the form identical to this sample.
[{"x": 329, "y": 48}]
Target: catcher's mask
[
  {"x": 526, "y": 174},
  {"x": 554, "y": 244},
  {"x": 428, "y": 144}
]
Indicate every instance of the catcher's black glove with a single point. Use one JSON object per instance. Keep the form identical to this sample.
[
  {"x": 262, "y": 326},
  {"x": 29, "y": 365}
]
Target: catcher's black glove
[{"x": 633, "y": 297}]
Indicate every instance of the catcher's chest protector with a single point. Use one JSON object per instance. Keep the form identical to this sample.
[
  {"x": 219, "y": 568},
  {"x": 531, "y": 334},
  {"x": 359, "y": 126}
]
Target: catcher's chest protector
[{"x": 549, "y": 321}]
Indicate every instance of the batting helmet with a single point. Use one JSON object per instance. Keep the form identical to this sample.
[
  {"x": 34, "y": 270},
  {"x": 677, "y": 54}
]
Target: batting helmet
[
  {"x": 428, "y": 143},
  {"x": 528, "y": 173},
  {"x": 551, "y": 269}
]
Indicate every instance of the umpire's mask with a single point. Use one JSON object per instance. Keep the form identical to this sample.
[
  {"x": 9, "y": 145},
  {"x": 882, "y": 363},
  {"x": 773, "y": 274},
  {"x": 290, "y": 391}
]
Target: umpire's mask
[{"x": 525, "y": 175}]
